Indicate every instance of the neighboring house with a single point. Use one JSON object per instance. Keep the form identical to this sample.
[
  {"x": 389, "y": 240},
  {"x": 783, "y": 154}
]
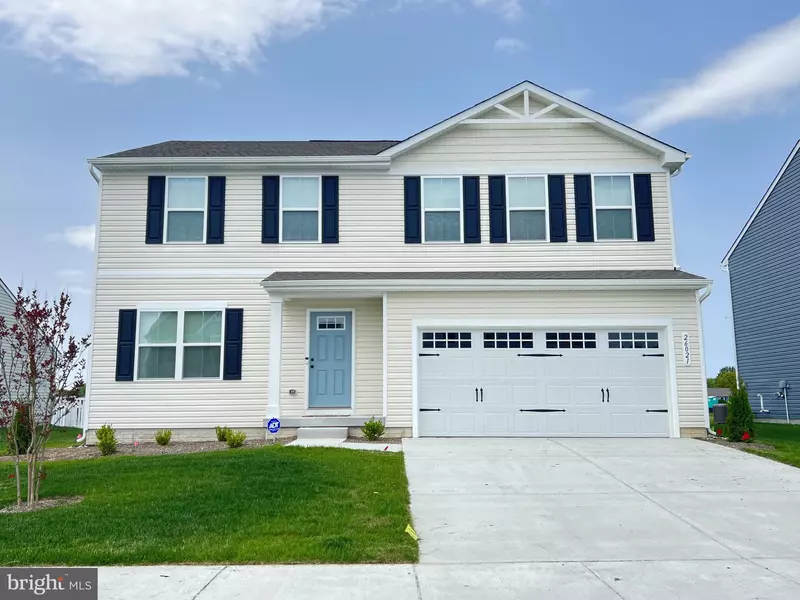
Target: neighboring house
[
  {"x": 765, "y": 292},
  {"x": 509, "y": 271},
  {"x": 8, "y": 300}
]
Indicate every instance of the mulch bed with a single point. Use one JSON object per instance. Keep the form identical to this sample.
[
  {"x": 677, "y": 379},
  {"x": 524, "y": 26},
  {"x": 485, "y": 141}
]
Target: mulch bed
[
  {"x": 739, "y": 445},
  {"x": 151, "y": 449},
  {"x": 41, "y": 504}
]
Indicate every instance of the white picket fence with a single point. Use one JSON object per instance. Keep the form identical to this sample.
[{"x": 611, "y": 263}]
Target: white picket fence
[{"x": 70, "y": 418}]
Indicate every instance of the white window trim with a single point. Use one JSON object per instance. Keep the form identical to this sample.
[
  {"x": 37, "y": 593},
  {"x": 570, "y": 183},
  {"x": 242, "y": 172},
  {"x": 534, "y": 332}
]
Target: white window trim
[
  {"x": 179, "y": 344},
  {"x": 168, "y": 210},
  {"x": 631, "y": 208},
  {"x": 319, "y": 209},
  {"x": 546, "y": 210},
  {"x": 460, "y": 208}
]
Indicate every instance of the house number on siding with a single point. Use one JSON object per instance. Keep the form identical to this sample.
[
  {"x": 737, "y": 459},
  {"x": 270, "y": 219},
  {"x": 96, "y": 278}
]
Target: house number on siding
[{"x": 687, "y": 350}]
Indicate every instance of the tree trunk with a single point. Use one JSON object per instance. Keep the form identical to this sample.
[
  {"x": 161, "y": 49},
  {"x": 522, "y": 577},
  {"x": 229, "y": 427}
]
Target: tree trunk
[{"x": 19, "y": 483}]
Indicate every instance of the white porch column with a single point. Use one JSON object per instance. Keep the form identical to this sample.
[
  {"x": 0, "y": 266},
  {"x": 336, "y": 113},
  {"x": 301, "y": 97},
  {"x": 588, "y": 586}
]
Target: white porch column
[
  {"x": 275, "y": 342},
  {"x": 385, "y": 357}
]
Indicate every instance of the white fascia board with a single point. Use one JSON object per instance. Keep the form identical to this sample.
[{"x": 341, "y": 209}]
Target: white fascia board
[
  {"x": 377, "y": 286},
  {"x": 760, "y": 205},
  {"x": 670, "y": 155},
  {"x": 239, "y": 162}
]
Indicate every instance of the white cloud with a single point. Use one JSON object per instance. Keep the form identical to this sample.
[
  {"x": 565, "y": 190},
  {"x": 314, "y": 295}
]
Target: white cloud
[
  {"x": 579, "y": 95},
  {"x": 750, "y": 78},
  {"x": 510, "y": 45},
  {"x": 510, "y": 10},
  {"x": 122, "y": 40},
  {"x": 74, "y": 274},
  {"x": 81, "y": 236}
]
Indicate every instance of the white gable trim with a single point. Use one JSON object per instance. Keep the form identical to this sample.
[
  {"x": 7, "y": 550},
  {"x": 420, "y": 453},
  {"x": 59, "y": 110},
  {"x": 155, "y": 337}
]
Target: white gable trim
[
  {"x": 5, "y": 288},
  {"x": 763, "y": 201},
  {"x": 669, "y": 154}
]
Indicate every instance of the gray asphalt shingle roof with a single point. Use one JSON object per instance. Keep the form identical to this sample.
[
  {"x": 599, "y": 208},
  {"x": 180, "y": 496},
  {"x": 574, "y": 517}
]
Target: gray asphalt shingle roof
[
  {"x": 500, "y": 275},
  {"x": 191, "y": 149}
]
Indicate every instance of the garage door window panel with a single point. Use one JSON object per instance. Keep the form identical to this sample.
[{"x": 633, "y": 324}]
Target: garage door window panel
[
  {"x": 626, "y": 340},
  {"x": 446, "y": 339},
  {"x": 507, "y": 339},
  {"x": 571, "y": 339}
]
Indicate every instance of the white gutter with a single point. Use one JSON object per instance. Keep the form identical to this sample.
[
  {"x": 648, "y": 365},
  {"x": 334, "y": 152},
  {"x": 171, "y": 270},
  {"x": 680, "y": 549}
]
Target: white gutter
[
  {"x": 378, "y": 286},
  {"x": 374, "y": 162}
]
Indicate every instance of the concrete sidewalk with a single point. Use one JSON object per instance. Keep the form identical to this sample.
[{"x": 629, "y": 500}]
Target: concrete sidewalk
[{"x": 627, "y": 580}]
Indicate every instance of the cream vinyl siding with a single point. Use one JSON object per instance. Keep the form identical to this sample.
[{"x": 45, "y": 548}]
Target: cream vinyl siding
[
  {"x": 371, "y": 234},
  {"x": 680, "y": 306},
  {"x": 522, "y": 149},
  {"x": 199, "y": 403},
  {"x": 367, "y": 355}
]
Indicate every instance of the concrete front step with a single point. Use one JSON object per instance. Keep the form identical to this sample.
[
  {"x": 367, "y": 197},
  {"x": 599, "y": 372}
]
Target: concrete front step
[{"x": 322, "y": 433}]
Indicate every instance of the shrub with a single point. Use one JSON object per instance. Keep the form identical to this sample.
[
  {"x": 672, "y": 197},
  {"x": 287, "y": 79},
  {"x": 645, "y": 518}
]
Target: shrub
[
  {"x": 163, "y": 436},
  {"x": 235, "y": 439},
  {"x": 222, "y": 433},
  {"x": 740, "y": 415},
  {"x": 373, "y": 429},
  {"x": 23, "y": 433},
  {"x": 107, "y": 440}
]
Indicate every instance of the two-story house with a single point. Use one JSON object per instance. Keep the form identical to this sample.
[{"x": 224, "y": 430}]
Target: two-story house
[
  {"x": 509, "y": 271},
  {"x": 765, "y": 295}
]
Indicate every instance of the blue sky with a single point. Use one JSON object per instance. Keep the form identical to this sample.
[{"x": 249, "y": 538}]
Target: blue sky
[{"x": 720, "y": 79}]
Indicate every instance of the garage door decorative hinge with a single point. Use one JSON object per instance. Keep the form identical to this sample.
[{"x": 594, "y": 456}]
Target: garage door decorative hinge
[
  {"x": 542, "y": 410},
  {"x": 429, "y": 354},
  {"x": 430, "y": 410},
  {"x": 658, "y": 410},
  {"x": 540, "y": 355},
  {"x": 661, "y": 355}
]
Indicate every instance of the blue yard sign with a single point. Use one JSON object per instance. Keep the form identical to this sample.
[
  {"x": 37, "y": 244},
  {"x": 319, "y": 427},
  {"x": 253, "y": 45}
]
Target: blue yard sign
[{"x": 273, "y": 425}]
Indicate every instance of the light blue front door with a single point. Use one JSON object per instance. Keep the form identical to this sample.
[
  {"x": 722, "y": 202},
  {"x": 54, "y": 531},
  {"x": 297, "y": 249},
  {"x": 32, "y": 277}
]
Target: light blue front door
[{"x": 330, "y": 360}]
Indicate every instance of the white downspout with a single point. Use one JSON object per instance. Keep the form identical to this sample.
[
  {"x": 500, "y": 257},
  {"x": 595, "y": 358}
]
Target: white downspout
[
  {"x": 88, "y": 395},
  {"x": 700, "y": 299}
]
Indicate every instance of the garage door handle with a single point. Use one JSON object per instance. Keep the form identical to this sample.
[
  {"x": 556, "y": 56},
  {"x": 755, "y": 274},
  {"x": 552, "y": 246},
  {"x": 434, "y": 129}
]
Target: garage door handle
[
  {"x": 476, "y": 394},
  {"x": 659, "y": 410},
  {"x": 541, "y": 355},
  {"x": 430, "y": 410},
  {"x": 661, "y": 355},
  {"x": 481, "y": 394},
  {"x": 542, "y": 410},
  {"x": 429, "y": 354},
  {"x": 608, "y": 395}
]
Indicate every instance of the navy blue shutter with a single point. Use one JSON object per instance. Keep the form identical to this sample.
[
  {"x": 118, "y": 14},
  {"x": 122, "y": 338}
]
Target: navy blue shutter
[
  {"x": 583, "y": 208},
  {"x": 472, "y": 210},
  {"x": 497, "y": 209},
  {"x": 215, "y": 225},
  {"x": 558, "y": 208},
  {"x": 126, "y": 344},
  {"x": 234, "y": 319},
  {"x": 270, "y": 209},
  {"x": 330, "y": 209},
  {"x": 156, "y": 191},
  {"x": 643, "y": 192},
  {"x": 413, "y": 209}
]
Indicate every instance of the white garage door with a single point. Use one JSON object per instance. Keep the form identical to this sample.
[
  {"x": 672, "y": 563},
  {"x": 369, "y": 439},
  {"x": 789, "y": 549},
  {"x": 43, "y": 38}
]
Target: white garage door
[{"x": 553, "y": 382}]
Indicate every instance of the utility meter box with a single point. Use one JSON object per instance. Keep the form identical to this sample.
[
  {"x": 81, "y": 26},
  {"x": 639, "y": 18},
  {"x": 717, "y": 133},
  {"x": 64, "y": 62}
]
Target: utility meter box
[{"x": 720, "y": 412}]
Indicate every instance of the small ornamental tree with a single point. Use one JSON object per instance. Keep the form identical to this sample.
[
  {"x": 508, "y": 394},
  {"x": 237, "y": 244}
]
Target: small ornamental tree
[
  {"x": 41, "y": 377},
  {"x": 740, "y": 423}
]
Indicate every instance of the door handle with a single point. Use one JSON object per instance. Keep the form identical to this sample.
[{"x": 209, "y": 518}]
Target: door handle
[
  {"x": 608, "y": 395},
  {"x": 481, "y": 394},
  {"x": 602, "y": 395},
  {"x": 476, "y": 394}
]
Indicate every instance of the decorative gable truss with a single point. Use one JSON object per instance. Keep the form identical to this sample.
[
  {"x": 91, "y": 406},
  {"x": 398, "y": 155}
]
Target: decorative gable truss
[{"x": 529, "y": 105}]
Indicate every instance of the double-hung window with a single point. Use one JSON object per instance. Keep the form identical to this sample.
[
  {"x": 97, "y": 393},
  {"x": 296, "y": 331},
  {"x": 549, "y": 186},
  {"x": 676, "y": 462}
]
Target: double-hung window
[
  {"x": 527, "y": 209},
  {"x": 185, "y": 209},
  {"x": 613, "y": 207},
  {"x": 441, "y": 209},
  {"x": 301, "y": 199},
  {"x": 179, "y": 344}
]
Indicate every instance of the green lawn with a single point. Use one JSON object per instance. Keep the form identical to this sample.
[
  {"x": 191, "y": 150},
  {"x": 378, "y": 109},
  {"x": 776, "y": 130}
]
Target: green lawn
[
  {"x": 785, "y": 438},
  {"x": 60, "y": 437},
  {"x": 267, "y": 505}
]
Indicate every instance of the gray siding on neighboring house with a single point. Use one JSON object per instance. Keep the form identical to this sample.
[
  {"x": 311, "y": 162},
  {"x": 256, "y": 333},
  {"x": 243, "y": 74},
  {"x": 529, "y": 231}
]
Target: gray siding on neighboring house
[
  {"x": 6, "y": 301},
  {"x": 765, "y": 290}
]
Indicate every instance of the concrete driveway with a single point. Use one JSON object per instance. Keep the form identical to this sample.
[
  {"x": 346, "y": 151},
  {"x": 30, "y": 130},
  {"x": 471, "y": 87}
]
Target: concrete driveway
[{"x": 632, "y": 519}]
